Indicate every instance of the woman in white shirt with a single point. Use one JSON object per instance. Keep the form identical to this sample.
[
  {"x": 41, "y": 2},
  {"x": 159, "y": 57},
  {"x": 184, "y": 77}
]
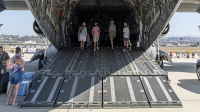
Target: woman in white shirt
[{"x": 82, "y": 35}]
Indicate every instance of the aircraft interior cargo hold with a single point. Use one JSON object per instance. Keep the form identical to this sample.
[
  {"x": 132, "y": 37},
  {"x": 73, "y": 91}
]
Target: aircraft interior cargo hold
[{"x": 147, "y": 19}]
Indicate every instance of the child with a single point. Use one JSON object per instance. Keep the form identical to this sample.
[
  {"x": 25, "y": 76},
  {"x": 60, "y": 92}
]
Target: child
[
  {"x": 126, "y": 34},
  {"x": 88, "y": 40}
]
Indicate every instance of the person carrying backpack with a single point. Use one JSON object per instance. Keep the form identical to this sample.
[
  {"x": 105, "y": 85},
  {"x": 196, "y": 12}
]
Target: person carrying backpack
[{"x": 16, "y": 73}]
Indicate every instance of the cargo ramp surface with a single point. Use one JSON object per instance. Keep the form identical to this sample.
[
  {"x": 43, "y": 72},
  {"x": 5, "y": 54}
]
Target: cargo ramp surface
[{"x": 102, "y": 79}]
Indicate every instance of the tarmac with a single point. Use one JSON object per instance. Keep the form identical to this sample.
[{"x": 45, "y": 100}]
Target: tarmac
[{"x": 182, "y": 73}]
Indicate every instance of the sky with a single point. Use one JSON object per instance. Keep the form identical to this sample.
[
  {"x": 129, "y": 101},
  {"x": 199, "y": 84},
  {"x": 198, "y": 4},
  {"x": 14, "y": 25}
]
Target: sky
[{"x": 21, "y": 23}]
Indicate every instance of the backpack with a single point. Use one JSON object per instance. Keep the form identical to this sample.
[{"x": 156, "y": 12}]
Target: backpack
[
  {"x": 29, "y": 76},
  {"x": 10, "y": 64}
]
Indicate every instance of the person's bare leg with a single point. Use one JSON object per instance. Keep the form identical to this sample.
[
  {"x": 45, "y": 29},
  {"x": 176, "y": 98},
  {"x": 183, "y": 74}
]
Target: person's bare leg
[
  {"x": 15, "y": 93},
  {"x": 94, "y": 45},
  {"x": 83, "y": 43},
  {"x": 97, "y": 44},
  {"x": 111, "y": 40},
  {"x": 9, "y": 94}
]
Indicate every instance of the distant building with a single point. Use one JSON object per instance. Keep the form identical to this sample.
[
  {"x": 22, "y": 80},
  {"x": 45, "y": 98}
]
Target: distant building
[
  {"x": 30, "y": 42},
  {"x": 185, "y": 43}
]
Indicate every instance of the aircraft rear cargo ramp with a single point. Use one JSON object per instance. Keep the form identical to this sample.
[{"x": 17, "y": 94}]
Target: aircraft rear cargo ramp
[{"x": 103, "y": 79}]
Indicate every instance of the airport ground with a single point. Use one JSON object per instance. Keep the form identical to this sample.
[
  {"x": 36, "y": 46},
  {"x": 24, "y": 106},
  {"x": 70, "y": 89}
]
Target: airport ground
[
  {"x": 166, "y": 49},
  {"x": 183, "y": 80},
  {"x": 180, "y": 49}
]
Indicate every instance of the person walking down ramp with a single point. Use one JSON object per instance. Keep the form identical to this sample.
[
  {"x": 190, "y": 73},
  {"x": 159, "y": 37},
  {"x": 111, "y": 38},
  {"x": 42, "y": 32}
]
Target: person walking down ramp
[
  {"x": 96, "y": 34},
  {"x": 126, "y": 34},
  {"x": 82, "y": 35},
  {"x": 112, "y": 32}
]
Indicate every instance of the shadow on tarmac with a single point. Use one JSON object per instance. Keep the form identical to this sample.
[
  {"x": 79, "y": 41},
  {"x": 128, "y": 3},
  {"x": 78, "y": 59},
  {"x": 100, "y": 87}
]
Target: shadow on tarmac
[
  {"x": 187, "y": 67},
  {"x": 191, "y": 85}
]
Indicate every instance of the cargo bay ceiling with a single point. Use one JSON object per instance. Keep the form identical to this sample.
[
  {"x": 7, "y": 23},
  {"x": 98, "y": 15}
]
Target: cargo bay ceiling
[
  {"x": 102, "y": 6},
  {"x": 186, "y": 5}
]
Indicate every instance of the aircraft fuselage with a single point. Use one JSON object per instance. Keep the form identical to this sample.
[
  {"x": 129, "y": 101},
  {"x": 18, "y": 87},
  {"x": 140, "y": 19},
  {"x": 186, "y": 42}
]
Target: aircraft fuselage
[{"x": 146, "y": 19}]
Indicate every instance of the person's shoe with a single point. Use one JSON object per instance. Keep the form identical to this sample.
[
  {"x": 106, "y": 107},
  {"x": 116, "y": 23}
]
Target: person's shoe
[
  {"x": 8, "y": 104},
  {"x": 94, "y": 49},
  {"x": 113, "y": 48},
  {"x": 97, "y": 48},
  {"x": 124, "y": 49},
  {"x": 14, "y": 104}
]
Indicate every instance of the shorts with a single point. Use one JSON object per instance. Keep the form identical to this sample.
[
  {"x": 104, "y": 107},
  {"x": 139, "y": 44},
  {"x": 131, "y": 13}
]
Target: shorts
[
  {"x": 82, "y": 38},
  {"x": 96, "y": 38},
  {"x": 112, "y": 35},
  {"x": 16, "y": 77},
  {"x": 126, "y": 39}
]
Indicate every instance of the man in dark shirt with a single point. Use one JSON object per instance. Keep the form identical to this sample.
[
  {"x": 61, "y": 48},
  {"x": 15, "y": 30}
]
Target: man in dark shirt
[
  {"x": 69, "y": 33},
  {"x": 3, "y": 58}
]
